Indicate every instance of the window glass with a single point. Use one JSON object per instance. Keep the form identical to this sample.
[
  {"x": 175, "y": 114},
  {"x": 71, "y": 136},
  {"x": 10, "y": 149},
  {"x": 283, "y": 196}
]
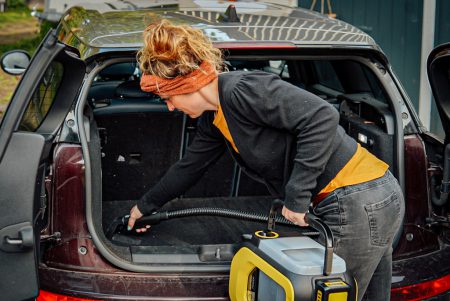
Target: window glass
[
  {"x": 326, "y": 75},
  {"x": 118, "y": 72},
  {"x": 42, "y": 98},
  {"x": 375, "y": 85},
  {"x": 278, "y": 67}
]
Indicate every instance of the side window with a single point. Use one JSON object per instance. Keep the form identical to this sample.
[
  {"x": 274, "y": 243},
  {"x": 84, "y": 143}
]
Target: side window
[
  {"x": 42, "y": 98},
  {"x": 118, "y": 72},
  {"x": 326, "y": 75},
  {"x": 375, "y": 85},
  {"x": 278, "y": 67}
]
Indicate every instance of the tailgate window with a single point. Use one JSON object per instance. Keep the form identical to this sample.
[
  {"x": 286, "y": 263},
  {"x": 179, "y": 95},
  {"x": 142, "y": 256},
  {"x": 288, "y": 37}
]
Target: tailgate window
[{"x": 42, "y": 98}]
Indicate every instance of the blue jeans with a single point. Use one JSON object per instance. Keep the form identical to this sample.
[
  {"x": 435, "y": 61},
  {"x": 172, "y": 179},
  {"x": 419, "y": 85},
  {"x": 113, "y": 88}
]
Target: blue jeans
[{"x": 364, "y": 219}]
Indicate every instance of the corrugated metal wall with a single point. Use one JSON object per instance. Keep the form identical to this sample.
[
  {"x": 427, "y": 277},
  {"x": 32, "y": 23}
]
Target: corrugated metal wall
[
  {"x": 442, "y": 21},
  {"x": 397, "y": 27},
  {"x": 442, "y": 35}
]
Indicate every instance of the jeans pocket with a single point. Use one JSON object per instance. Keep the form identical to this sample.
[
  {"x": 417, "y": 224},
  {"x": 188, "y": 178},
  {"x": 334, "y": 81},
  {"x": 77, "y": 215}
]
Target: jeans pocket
[
  {"x": 328, "y": 205},
  {"x": 383, "y": 219},
  {"x": 328, "y": 211}
]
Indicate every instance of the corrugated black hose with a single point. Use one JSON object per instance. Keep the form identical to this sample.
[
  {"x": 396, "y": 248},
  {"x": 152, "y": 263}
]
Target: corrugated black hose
[{"x": 157, "y": 217}]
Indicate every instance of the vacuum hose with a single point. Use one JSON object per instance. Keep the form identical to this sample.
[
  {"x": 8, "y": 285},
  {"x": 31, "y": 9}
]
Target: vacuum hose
[
  {"x": 226, "y": 213},
  {"x": 157, "y": 217}
]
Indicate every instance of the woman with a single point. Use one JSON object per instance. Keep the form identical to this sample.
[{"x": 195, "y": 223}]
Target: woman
[{"x": 283, "y": 136}]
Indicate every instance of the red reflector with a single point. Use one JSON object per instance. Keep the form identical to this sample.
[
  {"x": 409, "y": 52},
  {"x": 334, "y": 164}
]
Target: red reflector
[
  {"x": 47, "y": 296},
  {"x": 422, "y": 290}
]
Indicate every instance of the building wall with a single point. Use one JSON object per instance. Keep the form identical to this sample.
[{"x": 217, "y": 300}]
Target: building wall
[
  {"x": 397, "y": 27},
  {"x": 442, "y": 21},
  {"x": 442, "y": 35}
]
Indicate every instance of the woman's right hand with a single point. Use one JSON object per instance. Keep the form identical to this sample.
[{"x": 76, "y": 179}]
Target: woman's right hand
[{"x": 136, "y": 214}]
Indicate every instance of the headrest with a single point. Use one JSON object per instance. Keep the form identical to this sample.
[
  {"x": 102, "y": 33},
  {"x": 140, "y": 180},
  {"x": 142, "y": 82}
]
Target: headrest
[{"x": 132, "y": 89}]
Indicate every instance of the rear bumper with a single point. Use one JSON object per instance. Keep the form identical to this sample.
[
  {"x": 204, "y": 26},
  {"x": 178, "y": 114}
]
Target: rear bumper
[
  {"x": 112, "y": 285},
  {"x": 421, "y": 268},
  {"x": 133, "y": 286}
]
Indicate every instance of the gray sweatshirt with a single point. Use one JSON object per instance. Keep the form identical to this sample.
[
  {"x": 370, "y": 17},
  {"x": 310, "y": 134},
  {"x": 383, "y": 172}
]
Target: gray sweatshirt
[{"x": 287, "y": 138}]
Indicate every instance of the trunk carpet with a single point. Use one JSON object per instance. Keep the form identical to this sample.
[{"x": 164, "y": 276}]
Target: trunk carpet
[{"x": 194, "y": 230}]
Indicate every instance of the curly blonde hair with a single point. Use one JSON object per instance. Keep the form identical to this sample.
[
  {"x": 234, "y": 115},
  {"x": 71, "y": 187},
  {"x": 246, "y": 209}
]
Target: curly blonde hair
[{"x": 175, "y": 50}]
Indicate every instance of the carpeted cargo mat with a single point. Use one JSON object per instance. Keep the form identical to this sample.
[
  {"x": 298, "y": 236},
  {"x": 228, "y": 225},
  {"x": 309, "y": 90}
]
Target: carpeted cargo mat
[{"x": 194, "y": 230}]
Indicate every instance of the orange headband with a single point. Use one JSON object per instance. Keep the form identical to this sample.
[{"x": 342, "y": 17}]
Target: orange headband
[{"x": 185, "y": 84}]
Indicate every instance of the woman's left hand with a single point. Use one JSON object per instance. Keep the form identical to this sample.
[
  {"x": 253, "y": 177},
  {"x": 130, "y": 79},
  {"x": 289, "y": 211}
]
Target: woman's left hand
[
  {"x": 136, "y": 214},
  {"x": 295, "y": 217}
]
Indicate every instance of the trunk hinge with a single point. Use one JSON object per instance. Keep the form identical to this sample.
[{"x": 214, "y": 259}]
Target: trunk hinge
[
  {"x": 56, "y": 237},
  {"x": 437, "y": 220}
]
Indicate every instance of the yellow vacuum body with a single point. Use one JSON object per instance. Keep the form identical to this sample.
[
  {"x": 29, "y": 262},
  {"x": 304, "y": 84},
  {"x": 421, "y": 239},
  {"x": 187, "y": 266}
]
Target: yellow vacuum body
[{"x": 278, "y": 268}]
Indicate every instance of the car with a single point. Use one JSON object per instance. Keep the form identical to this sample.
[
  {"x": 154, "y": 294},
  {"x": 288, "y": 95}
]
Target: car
[{"x": 80, "y": 143}]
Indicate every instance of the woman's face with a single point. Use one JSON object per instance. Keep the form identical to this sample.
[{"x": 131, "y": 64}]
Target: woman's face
[{"x": 191, "y": 104}]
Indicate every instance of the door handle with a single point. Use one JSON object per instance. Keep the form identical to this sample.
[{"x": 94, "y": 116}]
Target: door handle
[
  {"x": 17, "y": 238},
  {"x": 15, "y": 242},
  {"x": 25, "y": 239}
]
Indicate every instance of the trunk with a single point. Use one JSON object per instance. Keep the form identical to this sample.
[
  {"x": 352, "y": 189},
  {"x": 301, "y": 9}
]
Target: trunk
[
  {"x": 137, "y": 149},
  {"x": 140, "y": 139}
]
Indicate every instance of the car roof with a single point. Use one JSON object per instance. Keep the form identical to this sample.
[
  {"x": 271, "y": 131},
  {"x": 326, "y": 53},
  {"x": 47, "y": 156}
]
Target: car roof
[{"x": 93, "y": 30}]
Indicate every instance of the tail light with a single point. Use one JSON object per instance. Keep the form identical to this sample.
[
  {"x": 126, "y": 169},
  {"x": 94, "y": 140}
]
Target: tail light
[
  {"x": 47, "y": 296},
  {"x": 421, "y": 290}
]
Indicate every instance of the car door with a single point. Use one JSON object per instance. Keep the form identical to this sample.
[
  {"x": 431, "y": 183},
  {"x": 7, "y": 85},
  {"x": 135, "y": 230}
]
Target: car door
[
  {"x": 39, "y": 105},
  {"x": 438, "y": 67}
]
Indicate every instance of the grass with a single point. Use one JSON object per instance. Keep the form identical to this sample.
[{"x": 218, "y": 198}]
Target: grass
[
  {"x": 9, "y": 17},
  {"x": 8, "y": 84},
  {"x": 27, "y": 44},
  {"x": 18, "y": 30}
]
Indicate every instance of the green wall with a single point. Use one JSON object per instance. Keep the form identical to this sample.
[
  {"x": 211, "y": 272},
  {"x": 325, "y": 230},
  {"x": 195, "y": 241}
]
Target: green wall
[
  {"x": 397, "y": 27},
  {"x": 442, "y": 21},
  {"x": 442, "y": 35}
]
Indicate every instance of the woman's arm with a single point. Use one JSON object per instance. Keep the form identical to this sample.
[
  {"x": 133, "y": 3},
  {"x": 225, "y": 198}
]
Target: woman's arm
[{"x": 206, "y": 148}]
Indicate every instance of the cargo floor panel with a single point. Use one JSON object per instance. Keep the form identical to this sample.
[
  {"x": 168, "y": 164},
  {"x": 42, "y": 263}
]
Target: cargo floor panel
[{"x": 193, "y": 230}]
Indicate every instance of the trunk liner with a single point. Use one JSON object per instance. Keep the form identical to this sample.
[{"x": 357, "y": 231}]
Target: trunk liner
[{"x": 194, "y": 230}]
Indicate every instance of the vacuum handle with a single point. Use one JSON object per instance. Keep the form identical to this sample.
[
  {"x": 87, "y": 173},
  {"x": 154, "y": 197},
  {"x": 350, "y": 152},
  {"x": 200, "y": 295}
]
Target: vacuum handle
[
  {"x": 277, "y": 204},
  {"x": 323, "y": 228}
]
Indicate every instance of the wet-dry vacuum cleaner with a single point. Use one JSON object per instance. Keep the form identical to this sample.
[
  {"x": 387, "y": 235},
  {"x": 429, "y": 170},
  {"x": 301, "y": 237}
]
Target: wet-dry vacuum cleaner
[{"x": 276, "y": 266}]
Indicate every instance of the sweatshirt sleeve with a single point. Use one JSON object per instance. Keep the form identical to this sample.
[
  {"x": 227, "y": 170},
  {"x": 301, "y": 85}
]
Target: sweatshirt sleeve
[
  {"x": 206, "y": 148},
  {"x": 311, "y": 120}
]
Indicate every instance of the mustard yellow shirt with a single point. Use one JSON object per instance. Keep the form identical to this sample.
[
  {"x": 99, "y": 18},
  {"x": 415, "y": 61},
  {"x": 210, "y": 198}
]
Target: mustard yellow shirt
[
  {"x": 362, "y": 167},
  {"x": 220, "y": 122}
]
